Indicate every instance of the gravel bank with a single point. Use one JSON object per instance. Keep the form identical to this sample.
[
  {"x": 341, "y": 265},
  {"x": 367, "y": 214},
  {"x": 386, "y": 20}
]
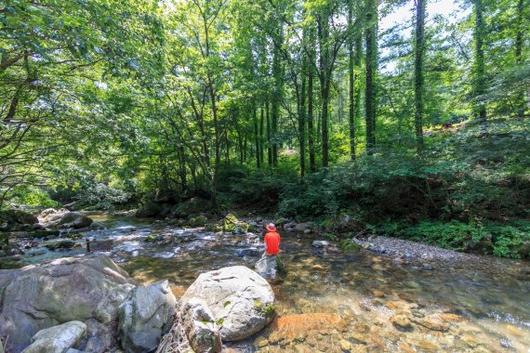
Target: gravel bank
[{"x": 429, "y": 257}]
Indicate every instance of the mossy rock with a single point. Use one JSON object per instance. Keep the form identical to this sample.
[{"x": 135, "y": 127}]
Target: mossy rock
[
  {"x": 198, "y": 221},
  {"x": 232, "y": 224},
  {"x": 348, "y": 245},
  {"x": 151, "y": 238},
  {"x": 56, "y": 244}
]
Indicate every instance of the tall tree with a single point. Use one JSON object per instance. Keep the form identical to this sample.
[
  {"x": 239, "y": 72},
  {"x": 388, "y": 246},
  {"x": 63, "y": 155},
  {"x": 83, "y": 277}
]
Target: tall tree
[
  {"x": 351, "y": 81},
  {"x": 479, "y": 84},
  {"x": 519, "y": 43},
  {"x": 419, "y": 50},
  {"x": 310, "y": 113},
  {"x": 277, "y": 74},
  {"x": 325, "y": 78},
  {"x": 371, "y": 70}
]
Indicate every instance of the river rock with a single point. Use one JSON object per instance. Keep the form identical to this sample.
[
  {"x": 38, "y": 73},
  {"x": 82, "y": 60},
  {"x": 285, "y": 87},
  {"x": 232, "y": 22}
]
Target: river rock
[
  {"x": 68, "y": 289},
  {"x": 233, "y": 225},
  {"x": 306, "y": 227},
  {"x": 13, "y": 220},
  {"x": 57, "y": 339},
  {"x": 192, "y": 206},
  {"x": 56, "y": 244},
  {"x": 320, "y": 244},
  {"x": 200, "y": 327},
  {"x": 62, "y": 218},
  {"x": 240, "y": 300},
  {"x": 145, "y": 316}
]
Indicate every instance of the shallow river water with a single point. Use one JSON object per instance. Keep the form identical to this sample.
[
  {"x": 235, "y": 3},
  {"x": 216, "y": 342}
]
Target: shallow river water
[{"x": 330, "y": 301}]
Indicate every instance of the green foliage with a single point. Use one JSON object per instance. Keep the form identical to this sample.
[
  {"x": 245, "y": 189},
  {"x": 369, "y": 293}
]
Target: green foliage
[
  {"x": 33, "y": 197},
  {"x": 266, "y": 310},
  {"x": 505, "y": 240}
]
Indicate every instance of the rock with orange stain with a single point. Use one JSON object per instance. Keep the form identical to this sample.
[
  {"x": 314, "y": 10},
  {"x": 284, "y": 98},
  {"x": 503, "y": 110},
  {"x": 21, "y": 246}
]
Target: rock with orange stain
[
  {"x": 406, "y": 348},
  {"x": 397, "y": 305},
  {"x": 451, "y": 317},
  {"x": 295, "y": 325},
  {"x": 178, "y": 291},
  {"x": 432, "y": 322},
  {"x": 378, "y": 293}
]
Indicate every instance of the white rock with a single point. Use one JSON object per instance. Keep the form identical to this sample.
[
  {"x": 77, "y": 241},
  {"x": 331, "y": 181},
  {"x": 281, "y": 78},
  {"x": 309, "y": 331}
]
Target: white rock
[
  {"x": 240, "y": 300},
  {"x": 145, "y": 316},
  {"x": 57, "y": 339}
]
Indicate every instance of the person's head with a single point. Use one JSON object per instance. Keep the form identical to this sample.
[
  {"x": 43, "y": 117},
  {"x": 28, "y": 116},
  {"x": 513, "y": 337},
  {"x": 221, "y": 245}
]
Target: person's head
[{"x": 270, "y": 227}]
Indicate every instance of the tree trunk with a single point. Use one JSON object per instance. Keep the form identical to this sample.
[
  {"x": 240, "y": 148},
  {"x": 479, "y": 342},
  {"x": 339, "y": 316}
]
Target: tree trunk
[
  {"x": 277, "y": 94},
  {"x": 323, "y": 31},
  {"x": 310, "y": 116},
  {"x": 269, "y": 142},
  {"x": 256, "y": 139},
  {"x": 301, "y": 116},
  {"x": 261, "y": 130},
  {"x": 418, "y": 73},
  {"x": 351, "y": 83},
  {"x": 519, "y": 41},
  {"x": 480, "y": 107},
  {"x": 357, "y": 64},
  {"x": 371, "y": 68},
  {"x": 182, "y": 167}
]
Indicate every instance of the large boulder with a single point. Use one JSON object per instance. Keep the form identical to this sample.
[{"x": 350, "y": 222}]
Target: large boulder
[
  {"x": 38, "y": 297},
  {"x": 13, "y": 220},
  {"x": 240, "y": 300},
  {"x": 63, "y": 218},
  {"x": 145, "y": 316},
  {"x": 57, "y": 339},
  {"x": 192, "y": 207}
]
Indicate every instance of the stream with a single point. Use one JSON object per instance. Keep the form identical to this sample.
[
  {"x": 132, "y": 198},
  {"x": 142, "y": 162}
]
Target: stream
[{"x": 331, "y": 301}]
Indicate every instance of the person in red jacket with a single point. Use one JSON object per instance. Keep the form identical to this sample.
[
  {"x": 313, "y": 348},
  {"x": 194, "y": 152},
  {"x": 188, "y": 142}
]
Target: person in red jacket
[
  {"x": 272, "y": 240},
  {"x": 266, "y": 266}
]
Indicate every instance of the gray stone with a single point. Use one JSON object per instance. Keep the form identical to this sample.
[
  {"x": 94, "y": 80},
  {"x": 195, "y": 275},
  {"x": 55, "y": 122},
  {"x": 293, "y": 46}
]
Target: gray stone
[
  {"x": 52, "y": 218},
  {"x": 252, "y": 251},
  {"x": 240, "y": 300},
  {"x": 145, "y": 316},
  {"x": 99, "y": 337},
  {"x": 57, "y": 339},
  {"x": 56, "y": 244},
  {"x": 200, "y": 327},
  {"x": 67, "y": 289},
  {"x": 320, "y": 243},
  {"x": 303, "y": 227}
]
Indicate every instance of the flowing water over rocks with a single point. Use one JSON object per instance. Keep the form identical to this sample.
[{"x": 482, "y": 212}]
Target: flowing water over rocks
[{"x": 331, "y": 301}]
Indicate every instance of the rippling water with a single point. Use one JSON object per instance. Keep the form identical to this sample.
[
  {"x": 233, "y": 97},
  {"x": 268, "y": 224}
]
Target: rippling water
[{"x": 334, "y": 301}]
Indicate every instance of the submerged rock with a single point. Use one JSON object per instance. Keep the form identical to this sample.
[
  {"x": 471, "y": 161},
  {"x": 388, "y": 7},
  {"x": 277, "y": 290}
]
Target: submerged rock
[
  {"x": 56, "y": 244},
  {"x": 145, "y": 316},
  {"x": 240, "y": 300},
  {"x": 57, "y": 339},
  {"x": 68, "y": 289}
]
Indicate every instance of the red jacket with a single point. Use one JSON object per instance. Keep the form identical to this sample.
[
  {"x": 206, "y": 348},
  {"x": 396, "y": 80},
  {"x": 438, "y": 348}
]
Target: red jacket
[{"x": 272, "y": 243}]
